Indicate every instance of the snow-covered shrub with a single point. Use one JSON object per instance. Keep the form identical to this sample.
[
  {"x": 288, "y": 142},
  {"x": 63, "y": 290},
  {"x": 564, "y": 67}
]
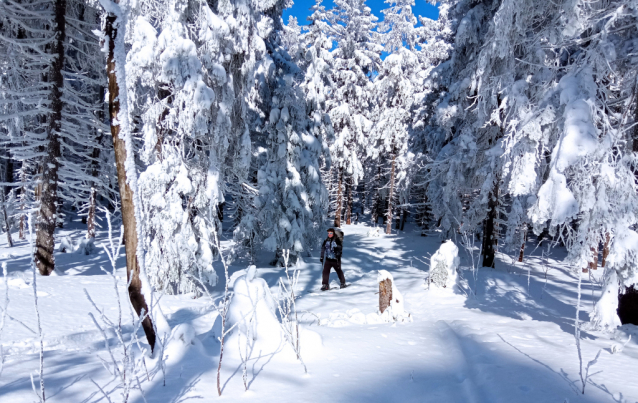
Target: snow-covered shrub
[
  {"x": 396, "y": 311},
  {"x": 252, "y": 315},
  {"x": 86, "y": 246},
  {"x": 374, "y": 233},
  {"x": 605, "y": 316},
  {"x": 443, "y": 265},
  {"x": 66, "y": 245}
]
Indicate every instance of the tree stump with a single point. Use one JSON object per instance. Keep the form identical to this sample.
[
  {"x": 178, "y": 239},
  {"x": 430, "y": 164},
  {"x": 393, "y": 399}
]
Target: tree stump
[{"x": 385, "y": 294}]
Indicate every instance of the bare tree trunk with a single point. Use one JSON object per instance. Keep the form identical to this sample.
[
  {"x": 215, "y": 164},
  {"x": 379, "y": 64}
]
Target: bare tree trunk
[
  {"x": 23, "y": 195},
  {"x": 404, "y": 218},
  {"x": 376, "y": 201},
  {"x": 126, "y": 193},
  {"x": 522, "y": 252},
  {"x": 605, "y": 249},
  {"x": 47, "y": 220},
  {"x": 95, "y": 170},
  {"x": 388, "y": 228},
  {"x": 489, "y": 228},
  {"x": 8, "y": 178},
  {"x": 349, "y": 203},
  {"x": 339, "y": 199}
]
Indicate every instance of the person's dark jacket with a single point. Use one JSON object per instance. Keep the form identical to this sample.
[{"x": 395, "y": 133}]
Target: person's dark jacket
[{"x": 337, "y": 248}]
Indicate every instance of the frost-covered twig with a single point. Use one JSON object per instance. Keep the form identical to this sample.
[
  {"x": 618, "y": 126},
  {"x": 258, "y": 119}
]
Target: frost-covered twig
[
  {"x": 223, "y": 312},
  {"x": 127, "y": 366},
  {"x": 583, "y": 376},
  {"x": 287, "y": 307},
  {"x": 41, "y": 395}
]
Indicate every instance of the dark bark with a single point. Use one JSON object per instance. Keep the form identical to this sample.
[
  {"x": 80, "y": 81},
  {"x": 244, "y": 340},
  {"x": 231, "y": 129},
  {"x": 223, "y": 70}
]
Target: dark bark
[
  {"x": 349, "y": 202},
  {"x": 628, "y": 306},
  {"x": 95, "y": 171},
  {"x": 404, "y": 218},
  {"x": 388, "y": 228},
  {"x": 337, "y": 222},
  {"x": 489, "y": 228},
  {"x": 522, "y": 252},
  {"x": 47, "y": 219},
  {"x": 8, "y": 178},
  {"x": 126, "y": 193},
  {"x": 376, "y": 202}
]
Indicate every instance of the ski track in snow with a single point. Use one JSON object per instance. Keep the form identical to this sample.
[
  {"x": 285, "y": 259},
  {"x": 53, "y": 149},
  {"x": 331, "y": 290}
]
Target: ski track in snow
[{"x": 509, "y": 343}]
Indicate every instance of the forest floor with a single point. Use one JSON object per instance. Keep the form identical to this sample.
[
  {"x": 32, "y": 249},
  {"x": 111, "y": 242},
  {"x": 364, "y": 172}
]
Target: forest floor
[{"x": 508, "y": 338}]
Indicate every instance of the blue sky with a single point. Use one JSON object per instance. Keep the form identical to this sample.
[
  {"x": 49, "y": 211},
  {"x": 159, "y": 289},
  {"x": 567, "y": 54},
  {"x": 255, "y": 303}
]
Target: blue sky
[{"x": 301, "y": 9}]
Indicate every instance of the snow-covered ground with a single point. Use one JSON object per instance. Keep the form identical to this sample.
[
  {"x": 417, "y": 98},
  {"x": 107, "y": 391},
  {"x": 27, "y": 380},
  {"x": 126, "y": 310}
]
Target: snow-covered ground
[{"x": 511, "y": 342}]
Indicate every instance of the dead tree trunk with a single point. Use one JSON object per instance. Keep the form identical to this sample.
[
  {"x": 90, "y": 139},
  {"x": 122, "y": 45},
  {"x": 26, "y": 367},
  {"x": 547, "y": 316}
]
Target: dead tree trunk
[
  {"x": 489, "y": 228},
  {"x": 385, "y": 294},
  {"x": 126, "y": 193},
  {"x": 388, "y": 228},
  {"x": 47, "y": 218},
  {"x": 339, "y": 199}
]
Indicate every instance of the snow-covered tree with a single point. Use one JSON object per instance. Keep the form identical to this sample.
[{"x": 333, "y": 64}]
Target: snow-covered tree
[
  {"x": 291, "y": 201},
  {"x": 355, "y": 61}
]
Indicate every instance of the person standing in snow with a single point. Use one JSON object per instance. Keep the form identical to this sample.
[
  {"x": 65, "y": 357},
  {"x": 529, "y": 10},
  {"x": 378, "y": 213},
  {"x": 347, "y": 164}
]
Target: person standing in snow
[{"x": 331, "y": 258}]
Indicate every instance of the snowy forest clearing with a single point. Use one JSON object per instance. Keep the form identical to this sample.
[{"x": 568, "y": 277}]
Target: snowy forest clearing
[{"x": 513, "y": 341}]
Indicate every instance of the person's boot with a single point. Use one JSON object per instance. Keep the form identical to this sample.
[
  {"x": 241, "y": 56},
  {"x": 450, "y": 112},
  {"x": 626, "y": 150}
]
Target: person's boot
[
  {"x": 343, "y": 285},
  {"x": 325, "y": 287}
]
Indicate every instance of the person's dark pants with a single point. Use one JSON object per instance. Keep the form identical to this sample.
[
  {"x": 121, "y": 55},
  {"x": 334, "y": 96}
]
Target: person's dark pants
[{"x": 332, "y": 264}]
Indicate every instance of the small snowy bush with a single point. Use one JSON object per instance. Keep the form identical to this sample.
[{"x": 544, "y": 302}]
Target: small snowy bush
[
  {"x": 66, "y": 245},
  {"x": 252, "y": 314},
  {"x": 86, "y": 246},
  {"x": 443, "y": 265},
  {"x": 605, "y": 316},
  {"x": 374, "y": 233}
]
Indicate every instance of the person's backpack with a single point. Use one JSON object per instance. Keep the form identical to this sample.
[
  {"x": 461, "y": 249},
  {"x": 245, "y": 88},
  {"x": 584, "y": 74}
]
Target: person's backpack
[{"x": 339, "y": 234}]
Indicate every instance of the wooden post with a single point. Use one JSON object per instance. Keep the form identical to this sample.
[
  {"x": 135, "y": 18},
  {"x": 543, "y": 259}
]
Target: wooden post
[{"x": 385, "y": 294}]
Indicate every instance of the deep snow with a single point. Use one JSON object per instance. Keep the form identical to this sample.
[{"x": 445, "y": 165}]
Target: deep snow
[{"x": 511, "y": 342}]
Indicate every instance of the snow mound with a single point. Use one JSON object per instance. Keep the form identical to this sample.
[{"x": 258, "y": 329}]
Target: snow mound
[
  {"x": 374, "y": 233},
  {"x": 443, "y": 265},
  {"x": 252, "y": 315},
  {"x": 66, "y": 245},
  {"x": 85, "y": 246},
  {"x": 605, "y": 316}
]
